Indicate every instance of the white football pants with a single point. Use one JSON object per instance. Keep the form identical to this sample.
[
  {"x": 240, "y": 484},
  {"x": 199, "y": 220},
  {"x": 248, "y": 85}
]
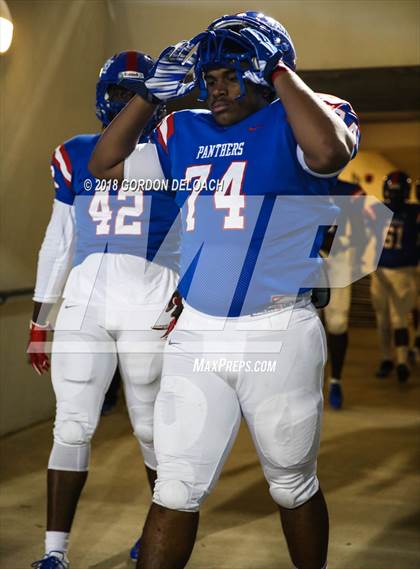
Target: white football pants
[
  {"x": 267, "y": 368},
  {"x": 85, "y": 355}
]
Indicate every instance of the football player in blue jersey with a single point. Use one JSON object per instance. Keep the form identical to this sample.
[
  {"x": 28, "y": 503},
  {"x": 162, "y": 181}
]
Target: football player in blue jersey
[
  {"x": 393, "y": 285},
  {"x": 94, "y": 249},
  {"x": 266, "y": 134}
]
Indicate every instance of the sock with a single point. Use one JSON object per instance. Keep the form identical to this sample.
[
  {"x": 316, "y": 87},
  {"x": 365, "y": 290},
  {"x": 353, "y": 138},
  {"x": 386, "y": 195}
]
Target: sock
[
  {"x": 56, "y": 541},
  {"x": 401, "y": 344},
  {"x": 337, "y": 344}
]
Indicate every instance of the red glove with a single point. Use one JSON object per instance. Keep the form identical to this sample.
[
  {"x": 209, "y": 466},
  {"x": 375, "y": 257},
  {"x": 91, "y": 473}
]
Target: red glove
[
  {"x": 176, "y": 305},
  {"x": 36, "y": 347}
]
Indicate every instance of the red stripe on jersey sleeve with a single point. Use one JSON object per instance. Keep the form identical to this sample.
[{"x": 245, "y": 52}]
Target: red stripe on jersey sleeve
[
  {"x": 67, "y": 160},
  {"x": 161, "y": 140},
  {"x": 171, "y": 126}
]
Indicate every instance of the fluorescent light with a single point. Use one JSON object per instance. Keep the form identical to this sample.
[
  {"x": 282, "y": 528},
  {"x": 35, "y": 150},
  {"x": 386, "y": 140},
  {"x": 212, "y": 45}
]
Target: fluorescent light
[{"x": 6, "y": 27}]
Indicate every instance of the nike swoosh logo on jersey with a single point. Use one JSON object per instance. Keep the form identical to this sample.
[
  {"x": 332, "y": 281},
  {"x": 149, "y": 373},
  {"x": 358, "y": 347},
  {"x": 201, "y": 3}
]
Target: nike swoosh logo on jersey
[{"x": 254, "y": 128}]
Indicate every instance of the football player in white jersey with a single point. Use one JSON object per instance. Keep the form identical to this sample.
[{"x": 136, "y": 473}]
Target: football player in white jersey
[
  {"x": 291, "y": 147},
  {"x": 98, "y": 247}
]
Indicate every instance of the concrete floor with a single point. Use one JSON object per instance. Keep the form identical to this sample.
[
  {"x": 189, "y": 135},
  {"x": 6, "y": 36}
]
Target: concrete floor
[{"x": 368, "y": 467}]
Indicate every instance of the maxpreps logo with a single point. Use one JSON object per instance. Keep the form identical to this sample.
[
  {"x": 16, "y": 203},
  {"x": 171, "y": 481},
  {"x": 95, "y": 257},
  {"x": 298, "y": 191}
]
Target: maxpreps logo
[{"x": 220, "y": 150}]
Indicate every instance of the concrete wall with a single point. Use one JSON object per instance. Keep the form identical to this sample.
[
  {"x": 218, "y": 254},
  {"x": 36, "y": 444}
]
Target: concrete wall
[
  {"x": 47, "y": 95},
  {"x": 328, "y": 34}
]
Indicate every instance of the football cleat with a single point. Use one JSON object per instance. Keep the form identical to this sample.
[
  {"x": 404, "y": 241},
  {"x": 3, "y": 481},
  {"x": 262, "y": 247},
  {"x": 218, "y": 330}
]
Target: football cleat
[
  {"x": 134, "y": 551},
  {"x": 52, "y": 560},
  {"x": 403, "y": 373},
  {"x": 384, "y": 369},
  {"x": 335, "y": 395}
]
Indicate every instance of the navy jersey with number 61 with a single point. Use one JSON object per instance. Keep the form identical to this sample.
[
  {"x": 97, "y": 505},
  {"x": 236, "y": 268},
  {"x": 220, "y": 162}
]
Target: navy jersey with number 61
[{"x": 401, "y": 247}]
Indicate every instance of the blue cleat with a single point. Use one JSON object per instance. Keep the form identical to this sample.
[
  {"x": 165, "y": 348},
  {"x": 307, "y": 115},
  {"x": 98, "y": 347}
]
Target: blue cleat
[
  {"x": 52, "y": 560},
  {"x": 403, "y": 373},
  {"x": 335, "y": 396},
  {"x": 134, "y": 551},
  {"x": 384, "y": 369}
]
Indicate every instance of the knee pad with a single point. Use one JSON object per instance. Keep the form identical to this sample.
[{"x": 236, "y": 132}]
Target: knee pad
[
  {"x": 71, "y": 449},
  {"x": 293, "y": 490},
  {"x": 72, "y": 427},
  {"x": 72, "y": 433},
  {"x": 177, "y": 488},
  {"x": 337, "y": 321},
  {"x": 174, "y": 495}
]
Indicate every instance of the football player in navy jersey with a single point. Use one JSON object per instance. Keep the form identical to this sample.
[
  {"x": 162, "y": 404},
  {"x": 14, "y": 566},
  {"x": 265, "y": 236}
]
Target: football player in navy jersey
[
  {"x": 393, "y": 286},
  {"x": 96, "y": 248},
  {"x": 240, "y": 274}
]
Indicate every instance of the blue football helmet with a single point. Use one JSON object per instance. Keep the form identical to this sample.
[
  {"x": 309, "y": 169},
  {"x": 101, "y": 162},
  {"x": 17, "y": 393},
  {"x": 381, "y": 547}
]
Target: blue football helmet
[
  {"x": 124, "y": 65},
  {"x": 396, "y": 187},
  {"x": 223, "y": 46}
]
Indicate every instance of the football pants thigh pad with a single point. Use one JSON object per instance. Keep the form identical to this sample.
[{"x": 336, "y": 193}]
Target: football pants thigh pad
[
  {"x": 196, "y": 421},
  {"x": 80, "y": 381}
]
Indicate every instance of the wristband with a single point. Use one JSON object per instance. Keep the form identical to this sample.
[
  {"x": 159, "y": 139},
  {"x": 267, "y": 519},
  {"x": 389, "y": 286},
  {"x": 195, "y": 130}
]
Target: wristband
[{"x": 34, "y": 325}]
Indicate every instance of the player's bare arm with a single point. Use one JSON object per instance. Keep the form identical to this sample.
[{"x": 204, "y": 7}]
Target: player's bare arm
[
  {"x": 119, "y": 139},
  {"x": 324, "y": 138}
]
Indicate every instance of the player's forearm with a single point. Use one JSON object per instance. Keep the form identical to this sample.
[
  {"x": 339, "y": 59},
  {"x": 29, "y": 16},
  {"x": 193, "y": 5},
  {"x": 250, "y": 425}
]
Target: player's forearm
[
  {"x": 56, "y": 254},
  {"x": 40, "y": 313},
  {"x": 323, "y": 137},
  {"x": 119, "y": 139}
]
